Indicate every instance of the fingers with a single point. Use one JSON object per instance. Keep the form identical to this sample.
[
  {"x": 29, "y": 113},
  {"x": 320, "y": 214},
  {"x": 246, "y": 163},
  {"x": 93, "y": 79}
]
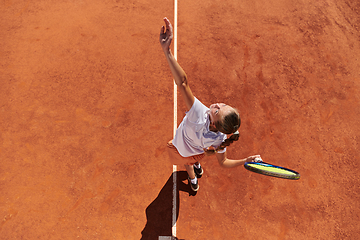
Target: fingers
[
  {"x": 255, "y": 158},
  {"x": 168, "y": 25},
  {"x": 166, "y": 35},
  {"x": 169, "y": 29},
  {"x": 258, "y": 160},
  {"x": 162, "y": 30},
  {"x": 167, "y": 21}
]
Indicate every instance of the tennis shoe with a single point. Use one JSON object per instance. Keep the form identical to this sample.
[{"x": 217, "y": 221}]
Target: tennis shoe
[
  {"x": 195, "y": 186},
  {"x": 198, "y": 171}
]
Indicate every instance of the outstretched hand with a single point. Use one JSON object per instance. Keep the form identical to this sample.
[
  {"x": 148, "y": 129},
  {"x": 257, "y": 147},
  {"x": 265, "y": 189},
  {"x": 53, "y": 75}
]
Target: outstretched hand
[
  {"x": 166, "y": 35},
  {"x": 255, "y": 158}
]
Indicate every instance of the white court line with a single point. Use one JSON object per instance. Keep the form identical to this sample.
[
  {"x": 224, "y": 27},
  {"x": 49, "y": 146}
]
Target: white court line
[
  {"x": 175, "y": 56},
  {"x": 175, "y": 125},
  {"x": 174, "y": 203}
]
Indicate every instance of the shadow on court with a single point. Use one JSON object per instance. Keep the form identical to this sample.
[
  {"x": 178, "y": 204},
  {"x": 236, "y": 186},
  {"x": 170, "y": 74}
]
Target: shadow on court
[{"x": 159, "y": 212}]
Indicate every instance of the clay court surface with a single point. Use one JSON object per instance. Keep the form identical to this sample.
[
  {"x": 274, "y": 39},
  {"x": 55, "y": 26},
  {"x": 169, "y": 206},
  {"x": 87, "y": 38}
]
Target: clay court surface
[{"x": 86, "y": 110}]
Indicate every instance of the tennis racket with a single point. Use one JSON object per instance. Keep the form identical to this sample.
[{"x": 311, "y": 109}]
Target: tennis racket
[{"x": 272, "y": 170}]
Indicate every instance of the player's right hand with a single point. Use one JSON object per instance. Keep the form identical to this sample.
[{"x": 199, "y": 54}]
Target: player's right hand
[{"x": 255, "y": 158}]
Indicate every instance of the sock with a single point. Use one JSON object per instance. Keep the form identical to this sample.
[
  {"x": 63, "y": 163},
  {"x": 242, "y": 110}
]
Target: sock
[
  {"x": 197, "y": 165},
  {"x": 194, "y": 181}
]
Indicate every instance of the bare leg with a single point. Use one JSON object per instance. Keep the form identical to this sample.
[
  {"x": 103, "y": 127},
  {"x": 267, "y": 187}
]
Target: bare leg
[{"x": 190, "y": 171}]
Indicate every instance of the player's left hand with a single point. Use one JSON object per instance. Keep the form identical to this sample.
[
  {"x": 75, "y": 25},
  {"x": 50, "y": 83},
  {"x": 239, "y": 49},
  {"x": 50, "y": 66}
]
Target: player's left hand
[{"x": 166, "y": 36}]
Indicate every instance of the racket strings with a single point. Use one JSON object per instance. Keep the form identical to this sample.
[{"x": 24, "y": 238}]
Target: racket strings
[{"x": 272, "y": 170}]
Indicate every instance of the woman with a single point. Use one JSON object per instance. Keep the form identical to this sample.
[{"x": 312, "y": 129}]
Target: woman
[{"x": 203, "y": 131}]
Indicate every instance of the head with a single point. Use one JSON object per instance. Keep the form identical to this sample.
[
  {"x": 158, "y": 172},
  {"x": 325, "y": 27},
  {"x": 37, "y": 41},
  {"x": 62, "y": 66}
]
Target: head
[{"x": 224, "y": 118}]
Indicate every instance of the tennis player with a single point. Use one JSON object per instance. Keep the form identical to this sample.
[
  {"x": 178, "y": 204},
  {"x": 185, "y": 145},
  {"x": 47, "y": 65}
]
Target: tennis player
[{"x": 203, "y": 131}]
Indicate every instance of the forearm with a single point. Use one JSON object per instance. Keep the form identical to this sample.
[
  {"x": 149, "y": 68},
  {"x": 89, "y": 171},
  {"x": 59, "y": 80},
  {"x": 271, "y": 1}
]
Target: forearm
[
  {"x": 230, "y": 163},
  {"x": 176, "y": 70}
]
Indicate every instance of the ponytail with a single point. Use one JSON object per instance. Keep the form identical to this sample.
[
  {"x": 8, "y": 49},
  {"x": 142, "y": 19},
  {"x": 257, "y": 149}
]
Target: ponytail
[{"x": 229, "y": 141}]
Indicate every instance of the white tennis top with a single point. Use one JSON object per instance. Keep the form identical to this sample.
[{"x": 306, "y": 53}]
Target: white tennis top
[{"x": 193, "y": 134}]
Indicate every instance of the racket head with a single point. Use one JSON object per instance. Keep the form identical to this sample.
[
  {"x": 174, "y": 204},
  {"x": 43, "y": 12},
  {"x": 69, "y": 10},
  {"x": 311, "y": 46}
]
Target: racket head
[{"x": 272, "y": 170}]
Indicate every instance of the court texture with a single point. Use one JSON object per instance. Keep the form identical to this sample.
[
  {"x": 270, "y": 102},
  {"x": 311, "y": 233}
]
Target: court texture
[{"x": 87, "y": 107}]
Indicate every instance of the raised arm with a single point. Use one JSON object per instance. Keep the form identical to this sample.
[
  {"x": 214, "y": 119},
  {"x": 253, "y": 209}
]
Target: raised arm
[{"x": 166, "y": 36}]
